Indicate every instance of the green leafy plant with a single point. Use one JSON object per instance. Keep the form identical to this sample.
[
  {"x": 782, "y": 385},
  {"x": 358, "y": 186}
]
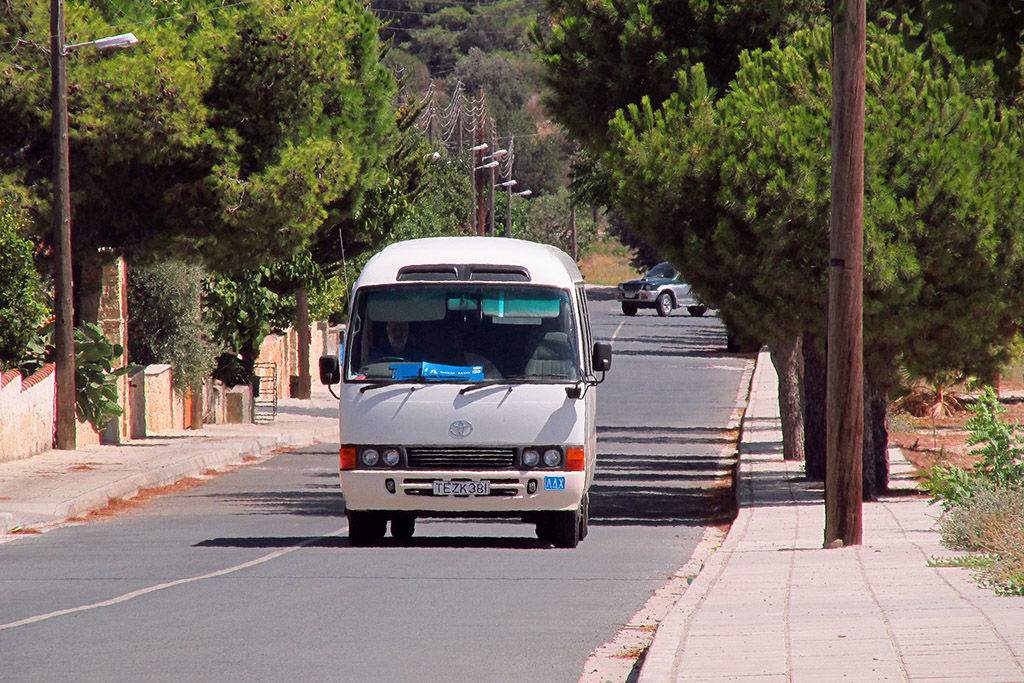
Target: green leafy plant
[
  {"x": 1001, "y": 454},
  {"x": 1002, "y": 449},
  {"x": 95, "y": 375},
  {"x": 21, "y": 296}
]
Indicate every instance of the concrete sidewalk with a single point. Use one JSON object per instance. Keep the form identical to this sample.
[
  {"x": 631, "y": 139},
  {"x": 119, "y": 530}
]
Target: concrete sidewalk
[
  {"x": 37, "y": 492},
  {"x": 772, "y": 605}
]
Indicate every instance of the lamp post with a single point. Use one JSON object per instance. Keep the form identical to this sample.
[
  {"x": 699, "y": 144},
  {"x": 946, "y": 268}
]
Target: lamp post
[
  {"x": 474, "y": 183},
  {"x": 508, "y": 204},
  {"x": 64, "y": 329},
  {"x": 493, "y": 156},
  {"x": 508, "y": 184},
  {"x": 481, "y": 225}
]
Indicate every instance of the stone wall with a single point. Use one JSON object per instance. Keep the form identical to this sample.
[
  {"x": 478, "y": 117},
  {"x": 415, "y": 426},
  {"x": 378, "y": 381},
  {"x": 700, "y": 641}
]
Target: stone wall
[
  {"x": 283, "y": 351},
  {"x": 151, "y": 405},
  {"x": 26, "y": 413}
]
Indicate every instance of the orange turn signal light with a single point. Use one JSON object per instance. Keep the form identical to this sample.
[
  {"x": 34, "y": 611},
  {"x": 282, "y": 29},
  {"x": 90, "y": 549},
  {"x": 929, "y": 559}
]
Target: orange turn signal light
[
  {"x": 575, "y": 460},
  {"x": 348, "y": 458}
]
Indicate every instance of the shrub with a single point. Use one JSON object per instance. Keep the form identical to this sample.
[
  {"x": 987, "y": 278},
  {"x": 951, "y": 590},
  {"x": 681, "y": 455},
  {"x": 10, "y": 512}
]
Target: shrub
[
  {"x": 21, "y": 296},
  {"x": 992, "y": 523},
  {"x": 164, "y": 323},
  {"x": 1001, "y": 456},
  {"x": 984, "y": 506}
]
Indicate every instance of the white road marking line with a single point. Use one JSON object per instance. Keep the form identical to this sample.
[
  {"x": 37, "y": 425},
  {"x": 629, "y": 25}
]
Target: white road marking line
[{"x": 170, "y": 584}]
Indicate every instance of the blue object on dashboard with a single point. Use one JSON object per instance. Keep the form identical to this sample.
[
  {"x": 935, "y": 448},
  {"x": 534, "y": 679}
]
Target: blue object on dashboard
[{"x": 436, "y": 371}]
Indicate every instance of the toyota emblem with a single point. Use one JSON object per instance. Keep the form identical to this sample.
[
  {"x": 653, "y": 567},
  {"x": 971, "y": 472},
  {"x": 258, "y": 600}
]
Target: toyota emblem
[{"x": 460, "y": 429}]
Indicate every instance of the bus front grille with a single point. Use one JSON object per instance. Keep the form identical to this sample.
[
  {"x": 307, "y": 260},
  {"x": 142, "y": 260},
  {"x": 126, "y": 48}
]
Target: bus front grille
[{"x": 454, "y": 458}]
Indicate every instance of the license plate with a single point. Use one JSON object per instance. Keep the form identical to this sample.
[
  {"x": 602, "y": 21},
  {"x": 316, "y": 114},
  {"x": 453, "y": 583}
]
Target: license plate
[{"x": 447, "y": 487}]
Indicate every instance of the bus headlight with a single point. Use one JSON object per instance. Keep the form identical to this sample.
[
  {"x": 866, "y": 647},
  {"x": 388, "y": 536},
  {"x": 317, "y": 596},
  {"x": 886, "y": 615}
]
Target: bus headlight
[
  {"x": 370, "y": 457},
  {"x": 552, "y": 457},
  {"x": 391, "y": 457},
  {"x": 531, "y": 456}
]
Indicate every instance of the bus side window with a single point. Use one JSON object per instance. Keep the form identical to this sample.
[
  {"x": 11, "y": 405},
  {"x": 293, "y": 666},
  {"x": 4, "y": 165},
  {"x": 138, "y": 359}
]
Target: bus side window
[{"x": 588, "y": 342}]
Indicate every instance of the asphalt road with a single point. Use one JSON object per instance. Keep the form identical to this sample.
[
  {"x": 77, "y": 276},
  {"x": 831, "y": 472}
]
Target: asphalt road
[{"x": 250, "y": 577}]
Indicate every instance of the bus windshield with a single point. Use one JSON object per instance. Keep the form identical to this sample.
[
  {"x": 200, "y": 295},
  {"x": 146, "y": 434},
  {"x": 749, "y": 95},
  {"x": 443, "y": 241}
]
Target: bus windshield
[{"x": 461, "y": 332}]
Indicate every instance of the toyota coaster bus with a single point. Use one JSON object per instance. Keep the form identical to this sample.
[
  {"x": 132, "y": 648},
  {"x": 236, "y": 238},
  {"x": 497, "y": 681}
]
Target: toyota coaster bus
[{"x": 467, "y": 389}]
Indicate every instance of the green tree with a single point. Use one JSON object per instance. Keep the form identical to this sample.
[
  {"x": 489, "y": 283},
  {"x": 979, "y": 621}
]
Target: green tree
[
  {"x": 989, "y": 31},
  {"x": 736, "y": 193},
  {"x": 600, "y": 57},
  {"x": 254, "y": 125},
  {"x": 165, "y": 324},
  {"x": 21, "y": 296},
  {"x": 547, "y": 220},
  {"x": 439, "y": 35}
]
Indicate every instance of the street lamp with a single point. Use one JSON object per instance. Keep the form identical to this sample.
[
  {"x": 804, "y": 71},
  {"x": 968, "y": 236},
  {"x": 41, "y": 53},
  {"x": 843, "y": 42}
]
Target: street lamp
[
  {"x": 508, "y": 184},
  {"x": 492, "y": 163},
  {"x": 64, "y": 327},
  {"x": 477, "y": 197},
  {"x": 121, "y": 40}
]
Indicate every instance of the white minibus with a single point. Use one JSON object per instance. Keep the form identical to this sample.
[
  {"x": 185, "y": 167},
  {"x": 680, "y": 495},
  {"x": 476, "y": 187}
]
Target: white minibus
[{"x": 467, "y": 389}]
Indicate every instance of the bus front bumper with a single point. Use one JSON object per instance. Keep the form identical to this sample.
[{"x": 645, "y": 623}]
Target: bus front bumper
[{"x": 461, "y": 492}]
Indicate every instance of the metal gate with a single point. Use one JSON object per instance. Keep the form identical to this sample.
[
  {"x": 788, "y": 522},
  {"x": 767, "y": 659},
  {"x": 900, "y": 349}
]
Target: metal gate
[{"x": 265, "y": 404}]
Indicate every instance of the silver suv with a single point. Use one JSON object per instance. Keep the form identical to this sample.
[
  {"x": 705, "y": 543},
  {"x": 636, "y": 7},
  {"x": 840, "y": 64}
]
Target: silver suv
[{"x": 659, "y": 289}]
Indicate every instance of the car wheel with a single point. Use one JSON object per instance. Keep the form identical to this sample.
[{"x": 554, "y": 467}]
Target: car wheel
[
  {"x": 697, "y": 310},
  {"x": 402, "y": 528},
  {"x": 544, "y": 528},
  {"x": 365, "y": 528},
  {"x": 629, "y": 309},
  {"x": 565, "y": 529},
  {"x": 664, "y": 304}
]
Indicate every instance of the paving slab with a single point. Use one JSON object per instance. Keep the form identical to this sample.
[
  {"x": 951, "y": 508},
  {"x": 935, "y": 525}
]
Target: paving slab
[{"x": 772, "y": 605}]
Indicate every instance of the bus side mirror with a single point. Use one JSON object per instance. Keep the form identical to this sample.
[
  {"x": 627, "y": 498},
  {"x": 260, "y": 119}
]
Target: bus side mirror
[
  {"x": 602, "y": 357},
  {"x": 330, "y": 370}
]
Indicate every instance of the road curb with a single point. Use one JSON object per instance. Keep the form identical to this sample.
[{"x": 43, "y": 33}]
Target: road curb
[
  {"x": 660, "y": 660},
  {"x": 211, "y": 456},
  {"x": 621, "y": 658}
]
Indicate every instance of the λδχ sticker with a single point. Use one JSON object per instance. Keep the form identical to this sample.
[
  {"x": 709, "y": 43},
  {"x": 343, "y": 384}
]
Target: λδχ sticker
[{"x": 554, "y": 483}]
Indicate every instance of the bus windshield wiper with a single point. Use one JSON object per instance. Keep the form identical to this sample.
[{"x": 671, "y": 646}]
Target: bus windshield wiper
[
  {"x": 488, "y": 383},
  {"x": 388, "y": 383},
  {"x": 511, "y": 380}
]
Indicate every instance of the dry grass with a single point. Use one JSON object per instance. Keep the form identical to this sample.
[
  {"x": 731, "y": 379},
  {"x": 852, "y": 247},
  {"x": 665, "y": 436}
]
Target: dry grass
[
  {"x": 993, "y": 523},
  {"x": 607, "y": 263},
  {"x": 118, "y": 506},
  {"x": 630, "y": 653}
]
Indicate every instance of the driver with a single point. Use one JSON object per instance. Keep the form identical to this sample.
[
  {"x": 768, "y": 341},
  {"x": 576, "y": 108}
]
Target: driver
[{"x": 398, "y": 344}]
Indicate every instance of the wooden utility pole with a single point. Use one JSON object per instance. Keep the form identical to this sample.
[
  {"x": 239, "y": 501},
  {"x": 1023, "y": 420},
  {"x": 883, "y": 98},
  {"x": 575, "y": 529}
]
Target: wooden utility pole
[
  {"x": 572, "y": 233},
  {"x": 481, "y": 208},
  {"x": 64, "y": 330},
  {"x": 845, "y": 380},
  {"x": 490, "y": 206},
  {"x": 302, "y": 331}
]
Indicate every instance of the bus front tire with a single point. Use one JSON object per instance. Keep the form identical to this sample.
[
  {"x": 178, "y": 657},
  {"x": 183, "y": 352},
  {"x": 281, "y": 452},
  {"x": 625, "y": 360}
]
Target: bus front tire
[
  {"x": 565, "y": 528},
  {"x": 584, "y": 516},
  {"x": 403, "y": 527},
  {"x": 365, "y": 528}
]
